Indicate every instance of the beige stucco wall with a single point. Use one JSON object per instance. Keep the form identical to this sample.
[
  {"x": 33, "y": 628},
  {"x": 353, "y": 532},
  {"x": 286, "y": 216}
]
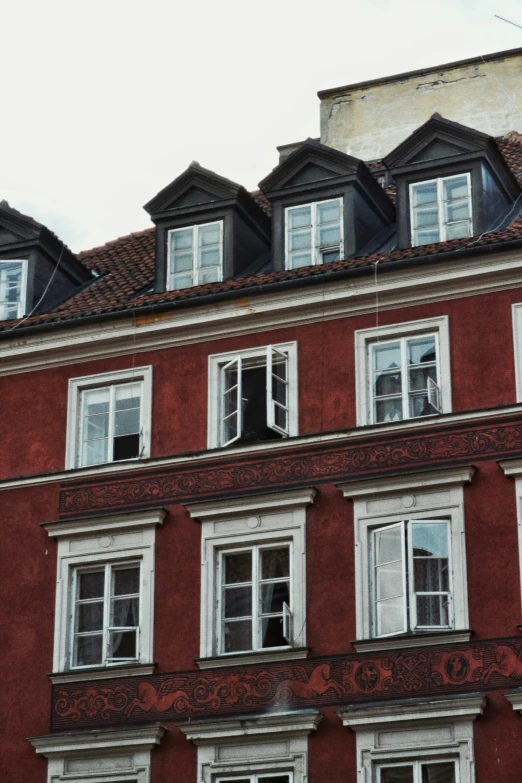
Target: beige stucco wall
[{"x": 369, "y": 122}]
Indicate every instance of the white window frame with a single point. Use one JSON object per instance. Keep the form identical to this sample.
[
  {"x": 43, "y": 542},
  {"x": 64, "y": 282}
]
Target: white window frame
[
  {"x": 517, "y": 344},
  {"x": 440, "y": 204},
  {"x": 196, "y": 268},
  {"x": 365, "y": 338},
  {"x": 315, "y": 251},
  {"x": 23, "y": 285},
  {"x": 431, "y": 496},
  {"x": 513, "y": 469},
  {"x": 77, "y": 386},
  {"x": 216, "y": 365},
  {"x": 416, "y": 730},
  {"x": 121, "y": 539},
  {"x": 121, "y": 756},
  {"x": 255, "y": 745},
  {"x": 228, "y": 525}
]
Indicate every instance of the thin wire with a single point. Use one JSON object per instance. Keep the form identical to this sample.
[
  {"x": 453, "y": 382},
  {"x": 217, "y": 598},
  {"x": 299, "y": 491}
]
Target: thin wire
[
  {"x": 19, "y": 323},
  {"x": 508, "y": 21}
]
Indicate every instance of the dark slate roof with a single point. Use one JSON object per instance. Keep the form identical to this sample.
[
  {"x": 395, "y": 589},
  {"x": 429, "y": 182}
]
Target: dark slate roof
[{"x": 125, "y": 266}]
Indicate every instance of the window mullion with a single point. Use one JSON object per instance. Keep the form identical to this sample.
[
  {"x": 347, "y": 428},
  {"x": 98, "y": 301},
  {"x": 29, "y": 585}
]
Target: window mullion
[
  {"x": 412, "y": 600},
  {"x": 72, "y": 616},
  {"x": 256, "y": 631},
  {"x": 106, "y": 612},
  {"x": 111, "y": 427},
  {"x": 195, "y": 255},
  {"x": 440, "y": 202},
  {"x": 405, "y": 381},
  {"x": 314, "y": 239}
]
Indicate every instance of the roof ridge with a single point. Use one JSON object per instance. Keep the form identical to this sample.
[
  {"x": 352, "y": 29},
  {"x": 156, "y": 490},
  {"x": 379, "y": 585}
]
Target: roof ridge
[{"x": 131, "y": 234}]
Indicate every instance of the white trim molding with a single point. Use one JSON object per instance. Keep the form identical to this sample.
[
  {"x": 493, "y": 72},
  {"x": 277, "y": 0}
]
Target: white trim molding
[
  {"x": 272, "y": 743},
  {"x": 415, "y": 731},
  {"x": 364, "y": 338},
  {"x": 513, "y": 469},
  {"x": 104, "y": 541},
  {"x": 141, "y": 375},
  {"x": 515, "y": 699},
  {"x": 97, "y": 757},
  {"x": 517, "y": 347},
  {"x": 437, "y": 495},
  {"x": 275, "y": 518},
  {"x": 410, "y": 641}
]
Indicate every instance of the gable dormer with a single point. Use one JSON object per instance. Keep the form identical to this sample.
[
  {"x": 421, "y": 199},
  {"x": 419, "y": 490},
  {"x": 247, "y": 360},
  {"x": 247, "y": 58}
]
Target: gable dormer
[
  {"x": 452, "y": 181},
  {"x": 36, "y": 269},
  {"x": 325, "y": 206},
  {"x": 207, "y": 230}
]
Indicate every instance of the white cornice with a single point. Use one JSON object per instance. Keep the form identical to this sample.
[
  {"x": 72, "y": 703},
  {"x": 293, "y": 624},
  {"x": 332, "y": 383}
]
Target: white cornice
[
  {"x": 515, "y": 698},
  {"x": 511, "y": 467},
  {"x": 248, "y": 659},
  {"x": 103, "y": 742},
  {"x": 276, "y": 726},
  {"x": 109, "y": 672},
  {"x": 366, "y": 716},
  {"x": 410, "y": 642},
  {"x": 338, "y": 299},
  {"x": 216, "y": 510},
  {"x": 413, "y": 481},
  {"x": 105, "y": 525},
  {"x": 375, "y": 431}
]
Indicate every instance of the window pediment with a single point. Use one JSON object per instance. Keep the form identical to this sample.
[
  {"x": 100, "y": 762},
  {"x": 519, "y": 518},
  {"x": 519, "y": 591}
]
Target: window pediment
[{"x": 196, "y": 185}]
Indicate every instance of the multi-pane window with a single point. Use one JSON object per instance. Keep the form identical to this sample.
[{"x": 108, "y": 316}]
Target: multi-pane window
[
  {"x": 263, "y": 777},
  {"x": 106, "y": 614},
  {"x": 418, "y": 772},
  {"x": 441, "y": 209},
  {"x": 254, "y": 397},
  {"x": 255, "y": 598},
  {"x": 314, "y": 233},
  {"x": 411, "y": 577},
  {"x": 195, "y": 255},
  {"x": 405, "y": 378},
  {"x": 110, "y": 427},
  {"x": 12, "y": 289}
]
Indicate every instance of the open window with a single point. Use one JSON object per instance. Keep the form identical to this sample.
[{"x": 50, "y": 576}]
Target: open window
[{"x": 253, "y": 395}]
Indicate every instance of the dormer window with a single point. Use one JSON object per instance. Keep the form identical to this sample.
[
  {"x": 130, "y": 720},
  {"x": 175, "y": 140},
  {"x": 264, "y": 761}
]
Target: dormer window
[
  {"x": 314, "y": 233},
  {"x": 13, "y": 287},
  {"x": 441, "y": 209},
  {"x": 195, "y": 255}
]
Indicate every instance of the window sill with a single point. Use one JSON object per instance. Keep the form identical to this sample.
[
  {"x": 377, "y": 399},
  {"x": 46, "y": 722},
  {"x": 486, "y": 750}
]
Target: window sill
[
  {"x": 412, "y": 640},
  {"x": 240, "y": 659},
  {"x": 102, "y": 673}
]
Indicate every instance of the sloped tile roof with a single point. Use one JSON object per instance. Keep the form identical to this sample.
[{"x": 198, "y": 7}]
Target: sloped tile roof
[{"x": 125, "y": 266}]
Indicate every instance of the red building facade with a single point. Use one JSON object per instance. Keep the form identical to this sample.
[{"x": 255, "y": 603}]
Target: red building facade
[{"x": 261, "y": 477}]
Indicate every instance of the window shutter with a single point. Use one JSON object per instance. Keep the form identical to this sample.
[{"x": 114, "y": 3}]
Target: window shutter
[
  {"x": 389, "y": 580},
  {"x": 287, "y": 623},
  {"x": 434, "y": 394},
  {"x": 277, "y": 413},
  {"x": 231, "y": 403}
]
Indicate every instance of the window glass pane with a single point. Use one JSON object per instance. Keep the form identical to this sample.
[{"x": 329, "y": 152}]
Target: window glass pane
[
  {"x": 424, "y": 193},
  {"x": 421, "y": 406},
  {"x": 272, "y": 632},
  {"x": 396, "y": 774},
  {"x": 127, "y": 396},
  {"x": 96, "y": 402},
  {"x": 331, "y": 255},
  {"x": 89, "y": 617},
  {"x": 122, "y": 645},
  {"x": 388, "y": 410},
  {"x": 427, "y": 217},
  {"x": 275, "y": 563},
  {"x": 88, "y": 650},
  {"x": 91, "y": 585},
  {"x": 126, "y": 447},
  {"x": 432, "y": 611},
  {"x": 300, "y": 240},
  {"x": 177, "y": 282},
  {"x": 125, "y": 612},
  {"x": 456, "y": 187},
  {"x": 439, "y": 773},
  {"x": 238, "y": 568},
  {"x": 209, "y": 257},
  {"x": 297, "y": 218},
  {"x": 328, "y": 212},
  {"x": 388, "y": 383},
  {"x": 274, "y": 779},
  {"x": 428, "y": 237},
  {"x": 209, "y": 235},
  {"x": 430, "y": 539},
  {"x": 208, "y": 275},
  {"x": 458, "y": 210},
  {"x": 181, "y": 240},
  {"x": 421, "y": 350},
  {"x": 238, "y": 635},
  {"x": 127, "y": 422},
  {"x": 458, "y": 230},
  {"x": 126, "y": 581},
  {"x": 419, "y": 378},
  {"x": 300, "y": 259},
  {"x": 273, "y": 596},
  {"x": 95, "y": 427},
  {"x": 387, "y": 356},
  {"x": 182, "y": 262},
  {"x": 238, "y": 602},
  {"x": 94, "y": 452},
  {"x": 329, "y": 237}
]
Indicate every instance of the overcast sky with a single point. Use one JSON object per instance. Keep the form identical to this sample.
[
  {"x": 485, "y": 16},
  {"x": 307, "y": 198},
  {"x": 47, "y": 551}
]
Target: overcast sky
[{"x": 107, "y": 101}]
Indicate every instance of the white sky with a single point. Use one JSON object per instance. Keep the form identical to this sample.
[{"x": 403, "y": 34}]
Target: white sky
[{"x": 107, "y": 101}]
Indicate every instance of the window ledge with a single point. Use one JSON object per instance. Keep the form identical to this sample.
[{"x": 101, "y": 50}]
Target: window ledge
[
  {"x": 265, "y": 727},
  {"x": 248, "y": 658},
  {"x": 412, "y": 640},
  {"x": 103, "y": 742},
  {"x": 102, "y": 673}
]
